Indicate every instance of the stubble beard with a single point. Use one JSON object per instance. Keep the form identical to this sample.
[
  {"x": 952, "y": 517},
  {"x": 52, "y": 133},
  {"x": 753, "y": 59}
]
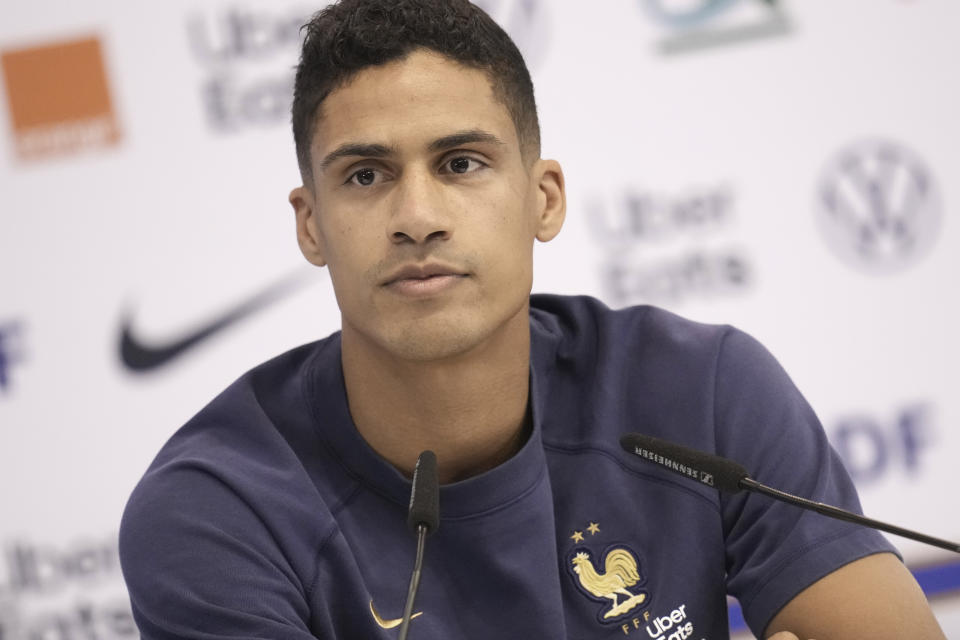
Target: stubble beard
[{"x": 439, "y": 337}]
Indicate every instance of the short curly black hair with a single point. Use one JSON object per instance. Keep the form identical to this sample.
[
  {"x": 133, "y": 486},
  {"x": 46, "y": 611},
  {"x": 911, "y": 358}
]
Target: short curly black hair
[{"x": 351, "y": 35}]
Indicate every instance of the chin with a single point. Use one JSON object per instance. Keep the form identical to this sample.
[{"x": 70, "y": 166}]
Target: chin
[
  {"x": 444, "y": 335},
  {"x": 423, "y": 342}
]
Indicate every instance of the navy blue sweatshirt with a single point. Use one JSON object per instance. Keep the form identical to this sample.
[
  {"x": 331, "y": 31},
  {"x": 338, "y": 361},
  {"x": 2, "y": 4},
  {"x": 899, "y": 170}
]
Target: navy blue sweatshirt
[{"x": 268, "y": 516}]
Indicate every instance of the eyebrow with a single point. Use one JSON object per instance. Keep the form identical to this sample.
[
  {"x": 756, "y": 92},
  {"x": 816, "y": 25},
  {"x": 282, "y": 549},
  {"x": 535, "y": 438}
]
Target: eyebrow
[
  {"x": 464, "y": 137},
  {"x": 354, "y": 149}
]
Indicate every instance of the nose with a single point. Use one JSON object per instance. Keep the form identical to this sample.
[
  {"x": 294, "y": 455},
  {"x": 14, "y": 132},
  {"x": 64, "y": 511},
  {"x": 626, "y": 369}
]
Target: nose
[{"x": 420, "y": 214}]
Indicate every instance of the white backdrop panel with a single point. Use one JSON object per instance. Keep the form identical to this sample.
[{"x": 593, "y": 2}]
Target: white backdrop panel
[{"x": 701, "y": 150}]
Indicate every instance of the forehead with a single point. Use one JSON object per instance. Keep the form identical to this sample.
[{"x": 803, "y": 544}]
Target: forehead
[{"x": 411, "y": 101}]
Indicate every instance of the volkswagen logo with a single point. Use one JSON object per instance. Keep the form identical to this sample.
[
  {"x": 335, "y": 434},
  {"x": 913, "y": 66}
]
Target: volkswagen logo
[{"x": 879, "y": 208}]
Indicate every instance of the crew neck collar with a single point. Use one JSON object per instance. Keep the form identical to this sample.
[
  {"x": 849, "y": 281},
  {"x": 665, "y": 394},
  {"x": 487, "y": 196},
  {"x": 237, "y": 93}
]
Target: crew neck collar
[{"x": 326, "y": 395}]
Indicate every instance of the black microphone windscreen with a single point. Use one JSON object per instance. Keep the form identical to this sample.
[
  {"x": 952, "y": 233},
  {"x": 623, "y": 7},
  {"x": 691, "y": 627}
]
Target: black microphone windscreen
[
  {"x": 425, "y": 494},
  {"x": 707, "y": 468}
]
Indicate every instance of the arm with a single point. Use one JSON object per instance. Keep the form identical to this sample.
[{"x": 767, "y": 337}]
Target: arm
[
  {"x": 199, "y": 562},
  {"x": 793, "y": 570},
  {"x": 874, "y": 597}
]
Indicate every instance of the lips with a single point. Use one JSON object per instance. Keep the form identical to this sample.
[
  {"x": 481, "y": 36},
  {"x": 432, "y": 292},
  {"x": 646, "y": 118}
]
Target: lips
[
  {"x": 423, "y": 280},
  {"x": 422, "y": 272}
]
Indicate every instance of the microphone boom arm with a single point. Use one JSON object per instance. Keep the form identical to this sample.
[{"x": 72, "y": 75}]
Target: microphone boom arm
[
  {"x": 422, "y": 531},
  {"x": 728, "y": 476},
  {"x": 749, "y": 484}
]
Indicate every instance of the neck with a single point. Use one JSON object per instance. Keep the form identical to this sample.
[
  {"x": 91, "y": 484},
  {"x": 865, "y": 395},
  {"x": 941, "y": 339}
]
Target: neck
[{"x": 470, "y": 409}]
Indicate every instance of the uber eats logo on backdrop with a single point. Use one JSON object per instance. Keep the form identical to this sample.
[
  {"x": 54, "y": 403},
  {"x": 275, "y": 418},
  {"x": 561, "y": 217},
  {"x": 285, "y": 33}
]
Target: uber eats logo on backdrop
[
  {"x": 249, "y": 56},
  {"x": 667, "y": 248},
  {"x": 59, "y": 98},
  {"x": 63, "y": 593}
]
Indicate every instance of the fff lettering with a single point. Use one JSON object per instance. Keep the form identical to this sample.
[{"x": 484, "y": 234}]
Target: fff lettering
[{"x": 674, "y": 626}]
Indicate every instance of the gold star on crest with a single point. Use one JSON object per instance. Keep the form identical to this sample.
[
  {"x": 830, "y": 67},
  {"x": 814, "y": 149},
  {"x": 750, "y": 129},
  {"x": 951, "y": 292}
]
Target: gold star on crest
[
  {"x": 594, "y": 528},
  {"x": 577, "y": 536}
]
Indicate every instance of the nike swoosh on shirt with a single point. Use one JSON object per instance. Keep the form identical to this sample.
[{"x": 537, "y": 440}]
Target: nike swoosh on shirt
[
  {"x": 141, "y": 356},
  {"x": 389, "y": 624}
]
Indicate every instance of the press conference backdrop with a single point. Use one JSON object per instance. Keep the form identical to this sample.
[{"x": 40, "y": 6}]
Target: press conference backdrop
[{"x": 789, "y": 167}]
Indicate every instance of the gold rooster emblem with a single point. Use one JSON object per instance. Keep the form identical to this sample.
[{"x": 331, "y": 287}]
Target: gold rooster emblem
[{"x": 620, "y": 572}]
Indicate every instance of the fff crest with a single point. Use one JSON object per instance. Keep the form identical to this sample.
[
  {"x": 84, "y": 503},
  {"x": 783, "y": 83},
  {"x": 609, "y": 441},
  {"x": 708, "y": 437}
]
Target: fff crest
[{"x": 612, "y": 577}]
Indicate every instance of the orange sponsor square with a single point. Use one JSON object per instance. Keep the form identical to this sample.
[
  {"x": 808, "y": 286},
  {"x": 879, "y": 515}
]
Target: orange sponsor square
[{"x": 59, "y": 98}]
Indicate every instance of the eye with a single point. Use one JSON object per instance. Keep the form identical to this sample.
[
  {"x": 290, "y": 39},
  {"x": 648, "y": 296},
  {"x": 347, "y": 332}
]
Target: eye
[
  {"x": 463, "y": 164},
  {"x": 363, "y": 177}
]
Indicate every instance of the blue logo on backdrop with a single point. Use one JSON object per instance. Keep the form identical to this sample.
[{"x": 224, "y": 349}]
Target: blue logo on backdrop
[
  {"x": 11, "y": 352},
  {"x": 872, "y": 447},
  {"x": 703, "y": 24},
  {"x": 665, "y": 249},
  {"x": 878, "y": 206}
]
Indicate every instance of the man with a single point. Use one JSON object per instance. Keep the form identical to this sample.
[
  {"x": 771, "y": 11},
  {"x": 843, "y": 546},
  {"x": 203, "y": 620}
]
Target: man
[{"x": 279, "y": 510}]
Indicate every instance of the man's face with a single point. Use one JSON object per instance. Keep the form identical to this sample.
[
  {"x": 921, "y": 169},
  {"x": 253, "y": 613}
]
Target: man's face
[{"x": 424, "y": 209}]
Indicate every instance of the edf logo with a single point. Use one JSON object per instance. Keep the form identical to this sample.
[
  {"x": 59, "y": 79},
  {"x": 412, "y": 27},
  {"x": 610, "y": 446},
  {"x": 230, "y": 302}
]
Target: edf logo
[
  {"x": 872, "y": 448},
  {"x": 10, "y": 352}
]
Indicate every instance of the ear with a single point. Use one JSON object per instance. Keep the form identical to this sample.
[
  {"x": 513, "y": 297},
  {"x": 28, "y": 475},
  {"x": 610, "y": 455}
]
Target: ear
[
  {"x": 551, "y": 199},
  {"x": 308, "y": 233}
]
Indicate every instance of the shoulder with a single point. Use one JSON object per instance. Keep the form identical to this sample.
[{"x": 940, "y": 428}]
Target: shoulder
[
  {"x": 247, "y": 420},
  {"x": 645, "y": 340},
  {"x": 576, "y": 315},
  {"x": 634, "y": 369},
  {"x": 231, "y": 482}
]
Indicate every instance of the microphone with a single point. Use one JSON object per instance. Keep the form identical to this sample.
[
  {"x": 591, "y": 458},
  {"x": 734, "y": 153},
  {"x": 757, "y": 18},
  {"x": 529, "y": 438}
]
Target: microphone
[
  {"x": 726, "y": 475},
  {"x": 423, "y": 518},
  {"x": 425, "y": 495}
]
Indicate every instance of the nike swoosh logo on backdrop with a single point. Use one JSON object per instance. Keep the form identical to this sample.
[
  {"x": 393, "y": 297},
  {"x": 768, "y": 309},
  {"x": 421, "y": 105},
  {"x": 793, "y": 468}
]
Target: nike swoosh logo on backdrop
[
  {"x": 141, "y": 356},
  {"x": 389, "y": 624}
]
